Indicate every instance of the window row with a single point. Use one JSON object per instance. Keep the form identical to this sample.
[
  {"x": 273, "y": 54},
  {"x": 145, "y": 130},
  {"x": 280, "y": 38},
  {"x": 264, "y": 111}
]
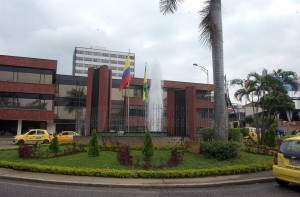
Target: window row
[
  {"x": 98, "y": 66},
  {"x": 87, "y": 65},
  {"x": 64, "y": 112},
  {"x": 21, "y": 77},
  {"x": 87, "y": 59},
  {"x": 103, "y": 54},
  {"x": 81, "y": 71},
  {"x": 71, "y": 91},
  {"x": 114, "y": 74},
  {"x": 25, "y": 103}
]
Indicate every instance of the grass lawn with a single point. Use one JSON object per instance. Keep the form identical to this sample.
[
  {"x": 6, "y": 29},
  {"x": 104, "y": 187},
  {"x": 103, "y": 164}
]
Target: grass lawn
[{"x": 107, "y": 159}]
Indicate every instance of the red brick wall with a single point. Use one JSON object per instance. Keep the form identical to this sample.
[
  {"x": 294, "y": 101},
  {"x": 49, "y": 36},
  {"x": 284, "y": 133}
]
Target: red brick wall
[
  {"x": 171, "y": 112},
  {"x": 18, "y": 114},
  {"x": 176, "y": 84},
  {"x": 27, "y": 88},
  {"x": 28, "y": 62},
  {"x": 104, "y": 98},
  {"x": 89, "y": 100},
  {"x": 190, "y": 94}
]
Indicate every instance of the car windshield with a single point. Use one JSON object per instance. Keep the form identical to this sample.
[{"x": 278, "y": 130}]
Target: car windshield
[{"x": 290, "y": 148}]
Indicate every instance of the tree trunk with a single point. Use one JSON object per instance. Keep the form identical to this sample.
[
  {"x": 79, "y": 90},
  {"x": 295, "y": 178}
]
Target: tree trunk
[{"x": 220, "y": 114}]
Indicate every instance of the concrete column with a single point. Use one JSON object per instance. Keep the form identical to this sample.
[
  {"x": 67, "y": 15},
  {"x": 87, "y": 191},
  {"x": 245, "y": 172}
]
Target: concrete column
[{"x": 19, "y": 130}]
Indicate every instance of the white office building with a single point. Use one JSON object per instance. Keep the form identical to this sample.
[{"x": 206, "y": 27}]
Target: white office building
[{"x": 83, "y": 58}]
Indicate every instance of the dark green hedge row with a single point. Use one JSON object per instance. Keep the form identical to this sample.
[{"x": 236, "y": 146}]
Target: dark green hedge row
[
  {"x": 234, "y": 134},
  {"x": 220, "y": 150},
  {"x": 226, "y": 170}
]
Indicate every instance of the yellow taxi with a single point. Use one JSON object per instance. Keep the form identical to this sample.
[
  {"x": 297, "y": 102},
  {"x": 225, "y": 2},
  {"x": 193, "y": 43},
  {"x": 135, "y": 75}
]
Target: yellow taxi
[
  {"x": 32, "y": 136},
  {"x": 65, "y": 136},
  {"x": 252, "y": 134},
  {"x": 286, "y": 168}
]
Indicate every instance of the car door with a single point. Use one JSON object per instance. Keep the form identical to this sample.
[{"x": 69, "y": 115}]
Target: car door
[
  {"x": 40, "y": 136},
  {"x": 31, "y": 137},
  {"x": 63, "y": 136},
  {"x": 70, "y": 136}
]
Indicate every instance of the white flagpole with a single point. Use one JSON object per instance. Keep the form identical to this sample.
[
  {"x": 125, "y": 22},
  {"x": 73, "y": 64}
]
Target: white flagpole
[
  {"x": 128, "y": 108},
  {"x": 128, "y": 95},
  {"x": 146, "y": 103}
]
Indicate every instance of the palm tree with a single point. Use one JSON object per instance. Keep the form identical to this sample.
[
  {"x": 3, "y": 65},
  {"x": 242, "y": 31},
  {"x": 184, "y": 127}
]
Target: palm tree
[
  {"x": 212, "y": 36},
  {"x": 266, "y": 89},
  {"x": 286, "y": 78},
  {"x": 75, "y": 100}
]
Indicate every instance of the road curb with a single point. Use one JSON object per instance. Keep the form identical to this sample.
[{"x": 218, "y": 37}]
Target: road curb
[{"x": 162, "y": 185}]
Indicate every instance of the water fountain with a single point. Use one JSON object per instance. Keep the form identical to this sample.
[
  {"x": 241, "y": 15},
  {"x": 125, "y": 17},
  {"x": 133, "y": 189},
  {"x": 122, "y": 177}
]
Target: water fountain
[{"x": 155, "y": 105}]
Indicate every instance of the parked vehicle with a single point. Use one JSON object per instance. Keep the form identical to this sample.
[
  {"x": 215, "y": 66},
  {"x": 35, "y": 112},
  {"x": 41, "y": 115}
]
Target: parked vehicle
[
  {"x": 280, "y": 131},
  {"x": 251, "y": 134},
  {"x": 65, "y": 136},
  {"x": 286, "y": 168},
  {"x": 32, "y": 136}
]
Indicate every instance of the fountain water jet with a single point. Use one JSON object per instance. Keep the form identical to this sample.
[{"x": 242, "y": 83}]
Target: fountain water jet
[{"x": 155, "y": 105}]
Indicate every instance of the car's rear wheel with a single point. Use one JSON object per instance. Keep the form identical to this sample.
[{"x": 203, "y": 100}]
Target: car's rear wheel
[
  {"x": 21, "y": 142},
  {"x": 46, "y": 142},
  {"x": 281, "y": 182}
]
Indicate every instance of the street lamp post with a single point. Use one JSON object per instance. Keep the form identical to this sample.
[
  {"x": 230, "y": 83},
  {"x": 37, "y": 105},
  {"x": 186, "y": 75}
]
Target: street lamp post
[{"x": 206, "y": 72}]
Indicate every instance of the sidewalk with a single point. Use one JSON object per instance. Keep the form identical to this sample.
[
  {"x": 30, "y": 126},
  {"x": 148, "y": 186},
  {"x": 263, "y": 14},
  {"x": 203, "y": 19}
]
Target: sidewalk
[{"x": 258, "y": 177}]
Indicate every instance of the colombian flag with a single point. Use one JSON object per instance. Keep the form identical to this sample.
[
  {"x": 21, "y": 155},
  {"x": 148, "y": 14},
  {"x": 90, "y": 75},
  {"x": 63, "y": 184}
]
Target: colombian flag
[{"x": 126, "y": 74}]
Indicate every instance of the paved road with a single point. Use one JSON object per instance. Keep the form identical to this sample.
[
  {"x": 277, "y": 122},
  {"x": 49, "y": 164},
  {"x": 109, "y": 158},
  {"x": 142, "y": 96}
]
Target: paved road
[
  {"x": 10, "y": 188},
  {"x": 6, "y": 142}
]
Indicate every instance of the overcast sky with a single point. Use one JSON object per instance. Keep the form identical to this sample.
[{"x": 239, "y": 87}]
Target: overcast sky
[{"x": 257, "y": 34}]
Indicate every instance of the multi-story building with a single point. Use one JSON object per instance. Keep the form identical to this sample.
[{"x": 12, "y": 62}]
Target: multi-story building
[
  {"x": 32, "y": 95},
  {"x": 27, "y": 91},
  {"x": 83, "y": 58}
]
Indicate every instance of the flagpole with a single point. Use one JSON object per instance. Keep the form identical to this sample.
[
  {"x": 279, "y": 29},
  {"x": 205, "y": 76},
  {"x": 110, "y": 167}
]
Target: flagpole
[
  {"x": 146, "y": 118},
  {"x": 128, "y": 95},
  {"x": 128, "y": 108}
]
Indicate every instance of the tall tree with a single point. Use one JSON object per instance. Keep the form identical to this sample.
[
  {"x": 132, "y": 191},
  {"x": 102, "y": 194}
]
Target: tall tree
[
  {"x": 270, "y": 93},
  {"x": 211, "y": 32}
]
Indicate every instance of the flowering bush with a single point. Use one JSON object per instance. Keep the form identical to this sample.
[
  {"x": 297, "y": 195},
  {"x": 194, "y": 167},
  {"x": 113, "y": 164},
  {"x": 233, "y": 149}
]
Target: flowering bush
[
  {"x": 27, "y": 151},
  {"x": 124, "y": 156}
]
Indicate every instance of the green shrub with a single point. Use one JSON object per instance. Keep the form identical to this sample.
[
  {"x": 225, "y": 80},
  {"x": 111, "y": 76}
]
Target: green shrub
[
  {"x": 148, "y": 149},
  {"x": 206, "y": 134},
  {"x": 271, "y": 137},
  {"x": 235, "y": 134},
  {"x": 93, "y": 145},
  {"x": 220, "y": 150},
  {"x": 54, "y": 147}
]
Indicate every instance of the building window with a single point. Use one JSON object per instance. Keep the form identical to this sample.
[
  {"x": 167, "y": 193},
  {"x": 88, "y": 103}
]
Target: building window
[
  {"x": 137, "y": 111},
  {"x": 121, "y": 56},
  {"x": 25, "y": 77},
  {"x": 202, "y": 95}
]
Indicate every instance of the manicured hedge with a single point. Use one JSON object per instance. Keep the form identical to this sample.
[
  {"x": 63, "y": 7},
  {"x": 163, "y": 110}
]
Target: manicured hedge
[
  {"x": 226, "y": 170},
  {"x": 220, "y": 150},
  {"x": 234, "y": 134}
]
